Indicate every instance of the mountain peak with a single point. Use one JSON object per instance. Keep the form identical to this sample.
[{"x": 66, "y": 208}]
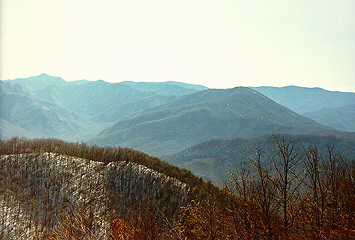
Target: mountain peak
[
  {"x": 36, "y": 83},
  {"x": 44, "y": 75}
]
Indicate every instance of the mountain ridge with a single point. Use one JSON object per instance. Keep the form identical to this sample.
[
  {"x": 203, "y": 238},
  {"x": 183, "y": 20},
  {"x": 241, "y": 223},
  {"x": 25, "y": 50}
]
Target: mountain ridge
[
  {"x": 106, "y": 108},
  {"x": 214, "y": 159},
  {"x": 204, "y": 115},
  {"x": 341, "y": 118},
  {"x": 303, "y": 99},
  {"x": 98, "y": 189}
]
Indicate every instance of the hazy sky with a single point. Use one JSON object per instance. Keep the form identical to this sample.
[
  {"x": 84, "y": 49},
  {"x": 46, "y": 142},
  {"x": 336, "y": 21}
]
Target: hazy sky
[{"x": 217, "y": 43}]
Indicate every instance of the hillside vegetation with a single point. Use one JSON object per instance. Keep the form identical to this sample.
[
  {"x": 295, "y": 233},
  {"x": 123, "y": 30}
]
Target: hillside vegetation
[
  {"x": 341, "y": 118},
  {"x": 106, "y": 155},
  {"x": 46, "y": 182},
  {"x": 292, "y": 193},
  {"x": 212, "y": 160}
]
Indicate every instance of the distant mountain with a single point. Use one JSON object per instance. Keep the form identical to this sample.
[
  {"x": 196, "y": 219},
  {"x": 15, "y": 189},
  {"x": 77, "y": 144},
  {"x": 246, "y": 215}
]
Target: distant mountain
[
  {"x": 166, "y": 88},
  {"x": 42, "y": 118},
  {"x": 20, "y": 110},
  {"x": 47, "y": 106},
  {"x": 340, "y": 118},
  {"x": 13, "y": 88},
  {"x": 92, "y": 97},
  {"x": 84, "y": 97},
  {"x": 159, "y": 118},
  {"x": 205, "y": 115},
  {"x": 130, "y": 109},
  {"x": 8, "y": 130},
  {"x": 79, "y": 82},
  {"x": 303, "y": 100},
  {"x": 39, "y": 82},
  {"x": 213, "y": 160}
]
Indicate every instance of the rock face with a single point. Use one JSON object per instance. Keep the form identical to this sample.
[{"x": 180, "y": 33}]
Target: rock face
[{"x": 37, "y": 190}]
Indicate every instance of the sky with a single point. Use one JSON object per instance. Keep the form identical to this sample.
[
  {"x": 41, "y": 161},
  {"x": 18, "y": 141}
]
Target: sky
[{"x": 216, "y": 43}]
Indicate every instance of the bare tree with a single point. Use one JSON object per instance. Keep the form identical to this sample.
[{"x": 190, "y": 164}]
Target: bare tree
[
  {"x": 315, "y": 185},
  {"x": 286, "y": 178},
  {"x": 263, "y": 192}
]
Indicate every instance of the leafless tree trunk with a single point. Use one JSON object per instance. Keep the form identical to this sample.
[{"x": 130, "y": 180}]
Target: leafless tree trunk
[{"x": 287, "y": 179}]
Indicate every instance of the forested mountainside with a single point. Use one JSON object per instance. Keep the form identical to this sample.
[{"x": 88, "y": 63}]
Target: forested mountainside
[
  {"x": 48, "y": 192},
  {"x": 46, "y": 180},
  {"x": 42, "y": 188},
  {"x": 213, "y": 160},
  {"x": 106, "y": 155},
  {"x": 341, "y": 118},
  {"x": 206, "y": 115},
  {"x": 131, "y": 109}
]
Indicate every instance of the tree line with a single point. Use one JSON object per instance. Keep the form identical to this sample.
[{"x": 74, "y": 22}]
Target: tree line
[
  {"x": 285, "y": 192},
  {"x": 106, "y": 155}
]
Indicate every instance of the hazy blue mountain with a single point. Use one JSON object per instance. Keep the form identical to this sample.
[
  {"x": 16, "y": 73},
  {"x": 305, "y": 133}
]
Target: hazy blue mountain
[
  {"x": 213, "y": 160},
  {"x": 340, "y": 118},
  {"x": 84, "y": 97},
  {"x": 205, "y": 115},
  {"x": 8, "y": 130},
  {"x": 79, "y": 82},
  {"x": 302, "y": 99},
  {"x": 51, "y": 107},
  {"x": 20, "y": 110},
  {"x": 91, "y": 98},
  {"x": 45, "y": 119},
  {"x": 130, "y": 109},
  {"x": 160, "y": 118},
  {"x": 8, "y": 87},
  {"x": 52, "y": 94},
  {"x": 187, "y": 85},
  {"x": 39, "y": 82},
  {"x": 166, "y": 88}
]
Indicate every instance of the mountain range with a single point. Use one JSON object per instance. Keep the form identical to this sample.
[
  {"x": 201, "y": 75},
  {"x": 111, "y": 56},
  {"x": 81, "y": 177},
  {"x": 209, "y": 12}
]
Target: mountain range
[
  {"x": 165, "y": 118},
  {"x": 303, "y": 100},
  {"x": 331, "y": 108},
  {"x": 205, "y": 115}
]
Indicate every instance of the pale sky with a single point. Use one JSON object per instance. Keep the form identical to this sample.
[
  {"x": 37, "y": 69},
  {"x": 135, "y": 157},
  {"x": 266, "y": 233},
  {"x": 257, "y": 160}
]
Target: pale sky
[{"x": 216, "y": 43}]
